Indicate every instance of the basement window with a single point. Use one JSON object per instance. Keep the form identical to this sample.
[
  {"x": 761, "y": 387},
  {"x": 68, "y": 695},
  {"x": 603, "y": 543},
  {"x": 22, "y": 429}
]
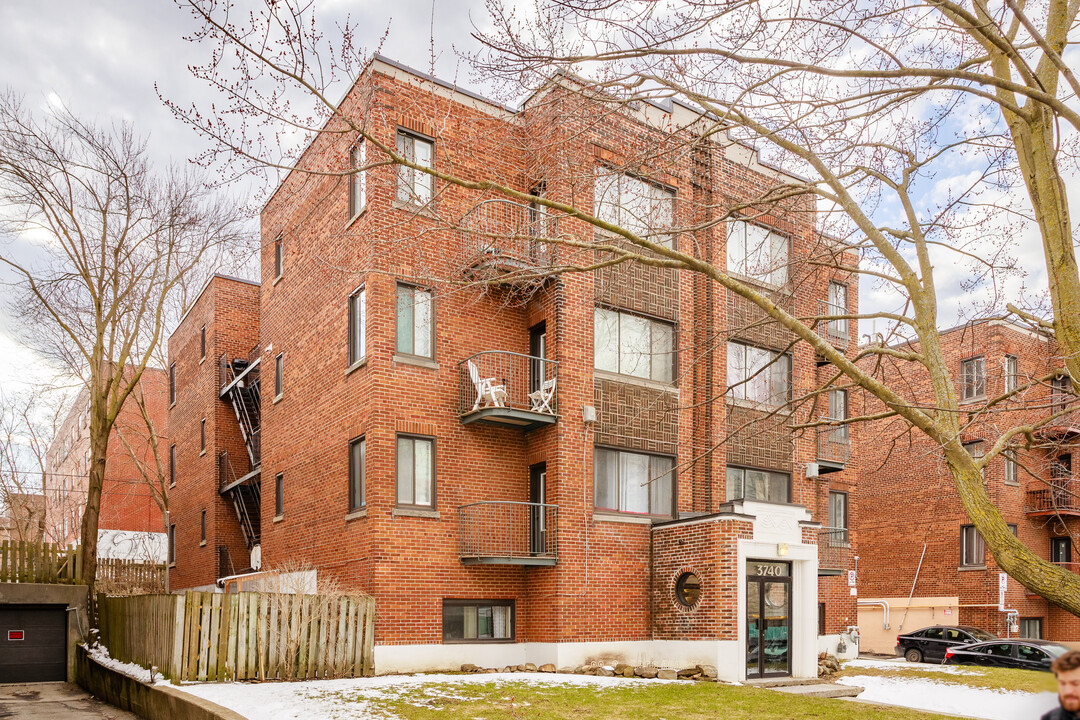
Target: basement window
[
  {"x": 478, "y": 620},
  {"x": 688, "y": 590}
]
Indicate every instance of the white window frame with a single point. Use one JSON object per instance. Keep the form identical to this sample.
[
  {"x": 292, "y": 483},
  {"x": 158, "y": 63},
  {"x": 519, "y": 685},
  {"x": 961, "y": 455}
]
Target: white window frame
[
  {"x": 656, "y": 486},
  {"x": 357, "y": 179},
  {"x": 415, "y": 187},
  {"x": 279, "y": 375},
  {"x": 1012, "y": 373},
  {"x": 837, "y": 304},
  {"x": 758, "y": 375},
  {"x": 973, "y": 378},
  {"x": 279, "y": 257},
  {"x": 640, "y": 206},
  {"x": 757, "y": 252},
  {"x": 357, "y": 311},
  {"x": 654, "y": 360}
]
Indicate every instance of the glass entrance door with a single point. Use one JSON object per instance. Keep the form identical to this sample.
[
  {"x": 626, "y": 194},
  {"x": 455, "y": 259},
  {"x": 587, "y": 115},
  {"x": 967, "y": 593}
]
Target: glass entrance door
[{"x": 768, "y": 619}]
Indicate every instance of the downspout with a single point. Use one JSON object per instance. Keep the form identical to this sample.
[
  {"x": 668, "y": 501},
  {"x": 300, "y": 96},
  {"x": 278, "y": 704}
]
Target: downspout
[
  {"x": 884, "y": 606},
  {"x": 912, "y": 593}
]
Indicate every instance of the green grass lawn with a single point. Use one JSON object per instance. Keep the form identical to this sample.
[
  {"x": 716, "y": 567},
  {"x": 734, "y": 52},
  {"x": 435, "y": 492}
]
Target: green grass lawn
[
  {"x": 646, "y": 700},
  {"x": 993, "y": 678}
]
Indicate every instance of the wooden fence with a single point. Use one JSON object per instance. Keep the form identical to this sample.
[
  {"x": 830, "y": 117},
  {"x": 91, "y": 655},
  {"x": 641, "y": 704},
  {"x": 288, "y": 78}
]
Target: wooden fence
[
  {"x": 242, "y": 636},
  {"x": 28, "y": 562},
  {"x": 128, "y": 577}
]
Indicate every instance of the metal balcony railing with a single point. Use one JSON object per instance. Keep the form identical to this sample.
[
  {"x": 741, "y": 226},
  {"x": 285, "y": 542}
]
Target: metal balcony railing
[
  {"x": 1060, "y": 496},
  {"x": 511, "y": 533},
  {"x": 507, "y": 235},
  {"x": 835, "y": 331},
  {"x": 508, "y": 380},
  {"x": 834, "y": 549},
  {"x": 834, "y": 444}
]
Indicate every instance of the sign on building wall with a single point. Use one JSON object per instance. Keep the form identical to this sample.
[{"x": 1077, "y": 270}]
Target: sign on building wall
[{"x": 1003, "y": 585}]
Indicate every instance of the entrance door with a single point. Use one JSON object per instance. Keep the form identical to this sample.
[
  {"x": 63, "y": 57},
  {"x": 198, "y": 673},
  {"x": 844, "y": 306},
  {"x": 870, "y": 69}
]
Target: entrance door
[
  {"x": 538, "y": 516},
  {"x": 538, "y": 349},
  {"x": 768, "y": 619}
]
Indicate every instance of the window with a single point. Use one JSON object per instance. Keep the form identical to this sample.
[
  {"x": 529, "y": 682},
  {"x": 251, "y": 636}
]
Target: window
[
  {"x": 749, "y": 484},
  {"x": 172, "y": 464},
  {"x": 172, "y": 383},
  {"x": 688, "y": 589},
  {"x": 357, "y": 326},
  {"x": 478, "y": 620},
  {"x": 633, "y": 345},
  {"x": 357, "y": 179},
  {"x": 1012, "y": 373},
  {"x": 1012, "y": 474},
  {"x": 415, "y": 187},
  {"x": 279, "y": 375},
  {"x": 838, "y": 514},
  {"x": 172, "y": 544},
  {"x": 838, "y": 410},
  {"x": 1061, "y": 550},
  {"x": 1060, "y": 392},
  {"x": 415, "y": 471},
  {"x": 279, "y": 495},
  {"x": 976, "y": 449},
  {"x": 202, "y": 435},
  {"x": 279, "y": 258},
  {"x": 202, "y": 343},
  {"x": 973, "y": 382},
  {"x": 632, "y": 482},
  {"x": 202, "y": 527},
  {"x": 1061, "y": 467},
  {"x": 643, "y": 208},
  {"x": 757, "y": 252},
  {"x": 357, "y": 451},
  {"x": 837, "y": 305},
  {"x": 415, "y": 322},
  {"x": 821, "y": 618},
  {"x": 972, "y": 548},
  {"x": 758, "y": 375}
]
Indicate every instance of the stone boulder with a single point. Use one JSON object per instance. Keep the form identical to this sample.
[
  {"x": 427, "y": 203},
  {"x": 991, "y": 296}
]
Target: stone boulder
[
  {"x": 666, "y": 674},
  {"x": 646, "y": 672},
  {"x": 708, "y": 672},
  {"x": 546, "y": 667},
  {"x": 470, "y": 668}
]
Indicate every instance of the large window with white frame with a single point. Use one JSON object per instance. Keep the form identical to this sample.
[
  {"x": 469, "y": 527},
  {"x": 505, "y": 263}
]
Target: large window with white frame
[
  {"x": 415, "y": 471},
  {"x": 633, "y": 482},
  {"x": 973, "y": 378},
  {"x": 415, "y": 322},
  {"x": 758, "y": 375},
  {"x": 415, "y": 187},
  {"x": 1012, "y": 373},
  {"x": 357, "y": 179},
  {"x": 756, "y": 252},
  {"x": 644, "y": 208},
  {"x": 755, "y": 484},
  {"x": 357, "y": 326},
  {"x": 633, "y": 345}
]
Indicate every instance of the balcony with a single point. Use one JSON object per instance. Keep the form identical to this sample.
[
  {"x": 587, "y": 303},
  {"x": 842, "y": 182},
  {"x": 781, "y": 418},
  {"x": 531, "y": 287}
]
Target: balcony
[
  {"x": 834, "y": 551},
  {"x": 1059, "y": 497},
  {"x": 508, "y": 389},
  {"x": 833, "y": 448},
  {"x": 501, "y": 240},
  {"x": 508, "y": 533}
]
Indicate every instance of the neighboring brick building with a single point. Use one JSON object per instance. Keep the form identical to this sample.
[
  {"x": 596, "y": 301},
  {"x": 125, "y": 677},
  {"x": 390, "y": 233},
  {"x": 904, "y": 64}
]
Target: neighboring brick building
[
  {"x": 22, "y": 517},
  {"x": 130, "y": 524},
  {"x": 552, "y": 470},
  {"x": 929, "y": 551}
]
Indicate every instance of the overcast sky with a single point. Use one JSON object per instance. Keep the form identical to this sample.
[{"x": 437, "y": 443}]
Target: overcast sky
[{"x": 103, "y": 58}]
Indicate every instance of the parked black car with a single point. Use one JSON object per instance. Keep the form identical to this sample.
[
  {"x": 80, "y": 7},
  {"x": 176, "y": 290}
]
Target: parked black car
[
  {"x": 931, "y": 643},
  {"x": 1023, "y": 653}
]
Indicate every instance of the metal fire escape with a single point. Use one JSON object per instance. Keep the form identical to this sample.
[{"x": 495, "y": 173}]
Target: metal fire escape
[{"x": 239, "y": 476}]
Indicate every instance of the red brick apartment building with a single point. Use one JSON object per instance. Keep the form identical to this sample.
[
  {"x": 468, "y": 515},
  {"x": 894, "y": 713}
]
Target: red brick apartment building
[
  {"x": 915, "y": 541},
  {"x": 553, "y": 470},
  {"x": 131, "y": 524}
]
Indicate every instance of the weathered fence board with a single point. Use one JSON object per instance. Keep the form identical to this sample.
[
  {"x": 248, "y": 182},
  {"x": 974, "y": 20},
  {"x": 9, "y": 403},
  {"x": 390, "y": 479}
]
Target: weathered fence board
[
  {"x": 28, "y": 562},
  {"x": 244, "y": 636}
]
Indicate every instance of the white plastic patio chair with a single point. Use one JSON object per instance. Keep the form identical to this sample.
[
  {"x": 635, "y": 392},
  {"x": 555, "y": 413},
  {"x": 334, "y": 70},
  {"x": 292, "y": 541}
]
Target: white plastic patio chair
[
  {"x": 487, "y": 391},
  {"x": 541, "y": 399}
]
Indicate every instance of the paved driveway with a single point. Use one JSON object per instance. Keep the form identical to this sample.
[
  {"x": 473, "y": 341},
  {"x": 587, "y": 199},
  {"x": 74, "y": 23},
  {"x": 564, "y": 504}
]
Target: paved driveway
[{"x": 55, "y": 701}]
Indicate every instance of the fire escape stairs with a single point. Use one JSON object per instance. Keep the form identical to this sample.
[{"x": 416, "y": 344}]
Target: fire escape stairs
[{"x": 241, "y": 389}]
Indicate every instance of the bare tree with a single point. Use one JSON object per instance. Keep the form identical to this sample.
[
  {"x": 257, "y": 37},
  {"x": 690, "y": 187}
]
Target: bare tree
[
  {"x": 864, "y": 103},
  {"x": 99, "y": 244},
  {"x": 29, "y": 421}
]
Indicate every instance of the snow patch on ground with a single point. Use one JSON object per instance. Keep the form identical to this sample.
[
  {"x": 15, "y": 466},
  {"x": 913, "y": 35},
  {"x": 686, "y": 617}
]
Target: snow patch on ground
[
  {"x": 951, "y": 698},
  {"x": 361, "y": 697},
  {"x": 905, "y": 665},
  {"x": 101, "y": 654}
]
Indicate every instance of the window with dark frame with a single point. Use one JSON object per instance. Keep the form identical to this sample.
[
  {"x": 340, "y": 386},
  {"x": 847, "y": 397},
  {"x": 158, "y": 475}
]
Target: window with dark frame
[
  {"x": 633, "y": 345},
  {"x": 357, "y": 326},
  {"x": 202, "y": 435},
  {"x": 415, "y": 471},
  {"x": 172, "y": 464},
  {"x": 279, "y": 495},
  {"x": 279, "y": 375},
  {"x": 1031, "y": 628},
  {"x": 1012, "y": 373},
  {"x": 202, "y": 526},
  {"x": 357, "y": 179},
  {"x": 1012, "y": 470},
  {"x": 838, "y": 515},
  {"x": 630, "y": 482},
  {"x": 172, "y": 544},
  {"x": 415, "y": 187},
  {"x": 478, "y": 621},
  {"x": 357, "y": 452},
  {"x": 756, "y": 484},
  {"x": 202, "y": 343},
  {"x": 972, "y": 547},
  {"x": 1060, "y": 393},
  {"x": 1061, "y": 549},
  {"x": 758, "y": 375},
  {"x": 414, "y": 322},
  {"x": 279, "y": 257},
  {"x": 973, "y": 380},
  {"x": 1061, "y": 467},
  {"x": 976, "y": 449},
  {"x": 172, "y": 383}
]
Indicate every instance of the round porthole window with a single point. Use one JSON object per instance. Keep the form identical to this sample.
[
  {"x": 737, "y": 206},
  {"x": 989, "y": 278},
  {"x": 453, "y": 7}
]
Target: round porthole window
[{"x": 688, "y": 589}]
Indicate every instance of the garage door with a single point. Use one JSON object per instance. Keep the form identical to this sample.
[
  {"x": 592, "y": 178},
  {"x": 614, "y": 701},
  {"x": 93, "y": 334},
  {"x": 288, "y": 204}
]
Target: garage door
[{"x": 33, "y": 643}]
